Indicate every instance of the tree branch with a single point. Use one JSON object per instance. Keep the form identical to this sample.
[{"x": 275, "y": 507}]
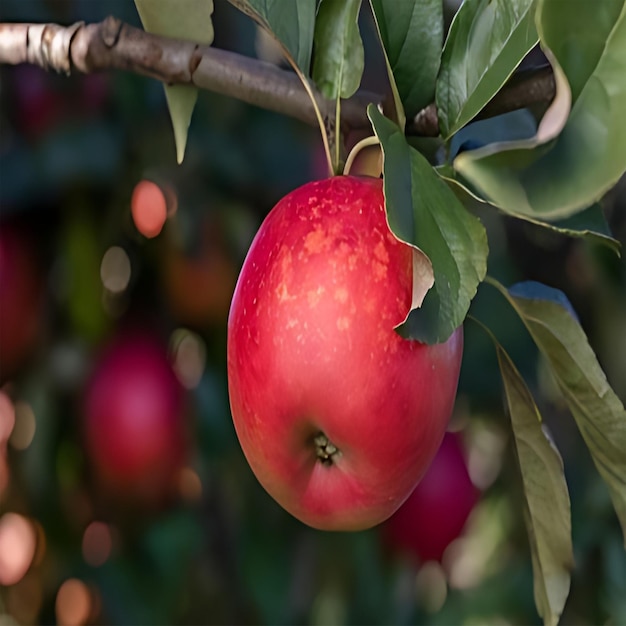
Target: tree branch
[{"x": 112, "y": 44}]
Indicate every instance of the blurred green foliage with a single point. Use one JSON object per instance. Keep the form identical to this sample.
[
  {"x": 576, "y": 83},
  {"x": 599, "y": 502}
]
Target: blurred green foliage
[{"x": 71, "y": 150}]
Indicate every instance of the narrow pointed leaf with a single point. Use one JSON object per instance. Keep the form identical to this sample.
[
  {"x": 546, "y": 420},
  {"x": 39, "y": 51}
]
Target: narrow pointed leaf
[
  {"x": 486, "y": 42},
  {"x": 547, "y": 509},
  {"x": 558, "y": 179},
  {"x": 424, "y": 212},
  {"x": 339, "y": 58},
  {"x": 397, "y": 114},
  {"x": 291, "y": 22},
  {"x": 181, "y": 101},
  {"x": 599, "y": 414},
  {"x": 189, "y": 20},
  {"x": 411, "y": 32}
]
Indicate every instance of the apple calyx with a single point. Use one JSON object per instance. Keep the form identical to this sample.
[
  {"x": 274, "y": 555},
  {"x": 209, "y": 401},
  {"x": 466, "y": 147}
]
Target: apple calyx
[{"x": 325, "y": 450}]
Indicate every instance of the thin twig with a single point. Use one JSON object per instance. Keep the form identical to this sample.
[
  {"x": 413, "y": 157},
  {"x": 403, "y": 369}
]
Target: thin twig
[{"x": 113, "y": 44}]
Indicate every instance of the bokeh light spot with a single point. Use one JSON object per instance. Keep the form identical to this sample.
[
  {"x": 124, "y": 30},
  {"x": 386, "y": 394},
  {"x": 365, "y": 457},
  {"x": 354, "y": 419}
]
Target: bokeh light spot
[
  {"x": 7, "y": 417},
  {"x": 190, "y": 485},
  {"x": 18, "y": 540},
  {"x": 25, "y": 426},
  {"x": 485, "y": 456},
  {"x": 148, "y": 206},
  {"x": 115, "y": 269},
  {"x": 431, "y": 587},
  {"x": 23, "y": 601},
  {"x": 189, "y": 357},
  {"x": 97, "y": 544},
  {"x": 73, "y": 603}
]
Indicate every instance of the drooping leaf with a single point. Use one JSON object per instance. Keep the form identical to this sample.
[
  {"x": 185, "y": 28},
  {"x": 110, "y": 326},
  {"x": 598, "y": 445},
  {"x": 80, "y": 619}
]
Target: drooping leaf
[
  {"x": 577, "y": 38},
  {"x": 291, "y": 22},
  {"x": 599, "y": 414},
  {"x": 486, "y": 42},
  {"x": 424, "y": 212},
  {"x": 590, "y": 225},
  {"x": 191, "y": 21},
  {"x": 547, "y": 509},
  {"x": 551, "y": 124},
  {"x": 339, "y": 58},
  {"x": 558, "y": 179},
  {"x": 411, "y": 32}
]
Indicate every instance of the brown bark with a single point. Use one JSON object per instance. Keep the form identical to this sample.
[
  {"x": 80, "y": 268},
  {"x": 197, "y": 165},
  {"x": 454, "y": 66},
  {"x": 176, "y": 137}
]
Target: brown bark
[{"x": 112, "y": 44}]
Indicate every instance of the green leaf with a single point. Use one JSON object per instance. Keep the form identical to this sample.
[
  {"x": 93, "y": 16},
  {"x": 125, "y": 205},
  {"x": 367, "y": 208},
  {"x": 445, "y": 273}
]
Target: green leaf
[
  {"x": 194, "y": 23},
  {"x": 397, "y": 114},
  {"x": 588, "y": 156},
  {"x": 598, "y": 412},
  {"x": 486, "y": 42},
  {"x": 411, "y": 32},
  {"x": 589, "y": 225},
  {"x": 291, "y": 22},
  {"x": 577, "y": 38},
  {"x": 547, "y": 510},
  {"x": 338, "y": 62},
  {"x": 181, "y": 101},
  {"x": 424, "y": 212},
  {"x": 513, "y": 126}
]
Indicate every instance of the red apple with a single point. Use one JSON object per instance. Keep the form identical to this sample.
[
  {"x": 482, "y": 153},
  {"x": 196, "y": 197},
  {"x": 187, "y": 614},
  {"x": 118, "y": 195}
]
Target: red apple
[
  {"x": 134, "y": 429},
  {"x": 435, "y": 513},
  {"x": 338, "y": 416},
  {"x": 20, "y": 298}
]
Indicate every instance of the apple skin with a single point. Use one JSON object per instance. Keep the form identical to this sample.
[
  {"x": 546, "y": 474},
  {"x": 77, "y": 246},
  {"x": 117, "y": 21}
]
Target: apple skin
[
  {"x": 312, "y": 352},
  {"x": 134, "y": 430},
  {"x": 435, "y": 513},
  {"x": 21, "y": 294}
]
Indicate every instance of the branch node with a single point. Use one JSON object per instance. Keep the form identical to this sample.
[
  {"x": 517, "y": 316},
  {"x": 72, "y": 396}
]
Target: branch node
[
  {"x": 48, "y": 45},
  {"x": 194, "y": 61},
  {"x": 111, "y": 29},
  {"x": 426, "y": 122},
  {"x": 113, "y": 44}
]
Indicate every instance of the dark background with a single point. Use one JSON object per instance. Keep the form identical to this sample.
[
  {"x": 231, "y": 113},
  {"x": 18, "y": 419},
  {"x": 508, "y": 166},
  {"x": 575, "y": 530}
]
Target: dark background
[{"x": 221, "y": 551}]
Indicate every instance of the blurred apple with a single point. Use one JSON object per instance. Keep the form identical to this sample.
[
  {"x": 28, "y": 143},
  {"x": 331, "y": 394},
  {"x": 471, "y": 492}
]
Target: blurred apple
[
  {"x": 20, "y": 297},
  {"x": 38, "y": 106},
  {"x": 134, "y": 429},
  {"x": 95, "y": 91},
  {"x": 199, "y": 286},
  {"x": 435, "y": 513}
]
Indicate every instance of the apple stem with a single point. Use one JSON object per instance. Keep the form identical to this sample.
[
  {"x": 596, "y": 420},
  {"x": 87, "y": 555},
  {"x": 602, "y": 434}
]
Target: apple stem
[
  {"x": 324, "y": 449},
  {"x": 364, "y": 143}
]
